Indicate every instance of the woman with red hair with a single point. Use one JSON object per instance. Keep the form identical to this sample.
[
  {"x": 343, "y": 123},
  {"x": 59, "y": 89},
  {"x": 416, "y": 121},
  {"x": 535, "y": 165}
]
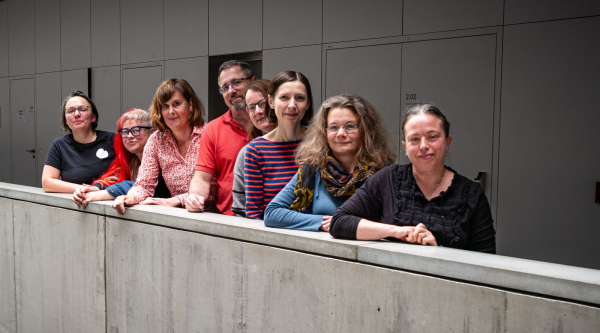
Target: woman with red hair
[{"x": 133, "y": 132}]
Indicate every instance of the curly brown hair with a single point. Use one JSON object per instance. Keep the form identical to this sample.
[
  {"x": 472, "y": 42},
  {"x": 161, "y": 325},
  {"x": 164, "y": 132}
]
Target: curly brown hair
[
  {"x": 164, "y": 93},
  {"x": 375, "y": 148}
]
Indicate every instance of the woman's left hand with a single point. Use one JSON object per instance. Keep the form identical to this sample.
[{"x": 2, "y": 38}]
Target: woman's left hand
[
  {"x": 171, "y": 202},
  {"x": 326, "y": 222},
  {"x": 420, "y": 235}
]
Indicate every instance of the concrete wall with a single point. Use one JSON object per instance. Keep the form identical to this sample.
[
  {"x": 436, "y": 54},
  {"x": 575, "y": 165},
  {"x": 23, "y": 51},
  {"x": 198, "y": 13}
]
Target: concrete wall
[{"x": 159, "y": 269}]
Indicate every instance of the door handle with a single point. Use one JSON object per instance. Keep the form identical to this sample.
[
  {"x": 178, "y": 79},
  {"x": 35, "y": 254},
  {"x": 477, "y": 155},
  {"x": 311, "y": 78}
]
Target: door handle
[
  {"x": 30, "y": 150},
  {"x": 480, "y": 179}
]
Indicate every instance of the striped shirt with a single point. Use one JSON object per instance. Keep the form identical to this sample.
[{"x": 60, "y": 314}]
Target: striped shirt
[{"x": 268, "y": 167}]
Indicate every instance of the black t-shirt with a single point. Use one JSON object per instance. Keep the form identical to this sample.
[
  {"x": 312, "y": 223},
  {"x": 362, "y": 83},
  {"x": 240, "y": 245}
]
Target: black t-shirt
[{"x": 81, "y": 163}]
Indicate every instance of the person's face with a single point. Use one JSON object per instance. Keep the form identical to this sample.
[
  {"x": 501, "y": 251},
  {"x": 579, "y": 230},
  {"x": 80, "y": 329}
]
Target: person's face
[
  {"x": 341, "y": 142},
  {"x": 254, "y": 98},
  {"x": 135, "y": 144},
  {"x": 425, "y": 142},
  {"x": 234, "y": 97},
  {"x": 79, "y": 120},
  {"x": 176, "y": 112},
  {"x": 290, "y": 103}
]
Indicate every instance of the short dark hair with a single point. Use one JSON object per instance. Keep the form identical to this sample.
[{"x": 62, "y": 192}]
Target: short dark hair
[
  {"x": 165, "y": 91},
  {"x": 290, "y": 76},
  {"x": 427, "y": 109},
  {"x": 244, "y": 66},
  {"x": 78, "y": 93}
]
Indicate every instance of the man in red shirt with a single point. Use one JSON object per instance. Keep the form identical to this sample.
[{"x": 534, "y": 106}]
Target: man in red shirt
[{"x": 222, "y": 140}]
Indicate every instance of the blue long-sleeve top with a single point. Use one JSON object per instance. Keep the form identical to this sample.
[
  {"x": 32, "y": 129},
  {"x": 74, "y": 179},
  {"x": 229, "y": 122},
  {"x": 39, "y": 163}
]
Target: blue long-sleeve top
[
  {"x": 121, "y": 188},
  {"x": 279, "y": 215}
]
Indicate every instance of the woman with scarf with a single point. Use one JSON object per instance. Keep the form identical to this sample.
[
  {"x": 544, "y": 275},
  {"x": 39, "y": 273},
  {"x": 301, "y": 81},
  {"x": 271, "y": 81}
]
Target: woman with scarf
[
  {"x": 423, "y": 202},
  {"x": 346, "y": 143}
]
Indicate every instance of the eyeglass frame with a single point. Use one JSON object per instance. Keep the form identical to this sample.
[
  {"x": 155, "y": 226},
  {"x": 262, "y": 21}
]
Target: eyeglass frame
[
  {"x": 257, "y": 105},
  {"x": 129, "y": 130},
  {"x": 75, "y": 109},
  {"x": 345, "y": 127},
  {"x": 223, "y": 90}
]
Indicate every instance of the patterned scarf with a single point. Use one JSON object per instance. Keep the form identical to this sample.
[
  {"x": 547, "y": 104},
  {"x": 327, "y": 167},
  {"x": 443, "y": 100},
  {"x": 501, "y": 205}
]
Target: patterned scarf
[{"x": 336, "y": 179}]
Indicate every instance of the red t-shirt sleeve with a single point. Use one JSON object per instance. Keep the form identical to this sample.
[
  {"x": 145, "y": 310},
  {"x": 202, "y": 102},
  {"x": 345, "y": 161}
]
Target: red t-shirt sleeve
[{"x": 207, "y": 161}]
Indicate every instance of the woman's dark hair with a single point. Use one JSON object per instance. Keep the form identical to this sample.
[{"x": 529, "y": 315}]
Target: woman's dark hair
[
  {"x": 290, "y": 76},
  {"x": 427, "y": 109},
  {"x": 164, "y": 93},
  {"x": 262, "y": 87},
  {"x": 78, "y": 93}
]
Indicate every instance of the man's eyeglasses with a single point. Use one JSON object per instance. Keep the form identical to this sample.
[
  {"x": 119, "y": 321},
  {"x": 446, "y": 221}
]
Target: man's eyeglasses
[
  {"x": 135, "y": 131},
  {"x": 83, "y": 109},
  {"x": 348, "y": 128},
  {"x": 252, "y": 107},
  {"x": 235, "y": 84}
]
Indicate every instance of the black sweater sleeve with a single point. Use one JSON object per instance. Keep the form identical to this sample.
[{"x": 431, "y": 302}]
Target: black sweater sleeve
[
  {"x": 482, "y": 236},
  {"x": 366, "y": 203}
]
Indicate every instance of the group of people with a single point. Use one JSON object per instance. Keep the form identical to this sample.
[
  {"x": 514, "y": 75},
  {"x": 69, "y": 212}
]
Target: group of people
[{"x": 272, "y": 157}]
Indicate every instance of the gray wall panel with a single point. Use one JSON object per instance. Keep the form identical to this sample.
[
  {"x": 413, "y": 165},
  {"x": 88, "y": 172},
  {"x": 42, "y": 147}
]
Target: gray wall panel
[
  {"x": 142, "y": 35},
  {"x": 235, "y": 26},
  {"x": 359, "y": 71},
  {"x": 76, "y": 49},
  {"x": 47, "y": 36},
  {"x": 139, "y": 86},
  {"x": 22, "y": 124},
  {"x": 5, "y": 135},
  {"x": 292, "y": 23},
  {"x": 357, "y": 19},
  {"x": 73, "y": 80},
  {"x": 458, "y": 76},
  {"x": 186, "y": 28},
  {"x": 3, "y": 38},
  {"x": 522, "y": 11},
  {"x": 450, "y": 15},
  {"x": 194, "y": 71},
  {"x": 59, "y": 269},
  {"x": 549, "y": 142},
  {"x": 305, "y": 59},
  {"x": 106, "y": 94},
  {"x": 8, "y": 309},
  {"x": 21, "y": 37},
  {"x": 48, "y": 100},
  {"x": 105, "y": 32},
  {"x": 200, "y": 293}
]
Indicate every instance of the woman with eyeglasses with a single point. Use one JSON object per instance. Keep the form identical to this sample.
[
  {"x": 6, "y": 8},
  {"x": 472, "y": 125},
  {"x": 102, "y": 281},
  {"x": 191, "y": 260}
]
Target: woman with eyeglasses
[
  {"x": 178, "y": 115},
  {"x": 270, "y": 160},
  {"x": 83, "y": 154},
  {"x": 346, "y": 143},
  {"x": 256, "y": 105},
  {"x": 133, "y": 132}
]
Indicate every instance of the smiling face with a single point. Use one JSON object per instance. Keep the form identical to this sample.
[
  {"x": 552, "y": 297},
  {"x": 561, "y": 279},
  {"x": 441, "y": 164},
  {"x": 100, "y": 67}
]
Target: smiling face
[
  {"x": 234, "y": 97},
  {"x": 290, "y": 103},
  {"x": 425, "y": 142},
  {"x": 77, "y": 121},
  {"x": 258, "y": 117},
  {"x": 135, "y": 144},
  {"x": 176, "y": 112},
  {"x": 342, "y": 143}
]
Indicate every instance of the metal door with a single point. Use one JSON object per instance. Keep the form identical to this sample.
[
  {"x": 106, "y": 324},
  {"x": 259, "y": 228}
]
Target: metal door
[{"x": 22, "y": 118}]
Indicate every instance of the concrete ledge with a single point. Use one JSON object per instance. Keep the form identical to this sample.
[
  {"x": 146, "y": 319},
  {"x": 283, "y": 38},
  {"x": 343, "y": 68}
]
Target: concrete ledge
[{"x": 560, "y": 281}]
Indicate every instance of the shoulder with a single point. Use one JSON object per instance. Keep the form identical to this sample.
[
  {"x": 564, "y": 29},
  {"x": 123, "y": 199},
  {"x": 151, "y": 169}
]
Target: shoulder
[
  {"x": 63, "y": 140},
  {"x": 254, "y": 144},
  {"x": 104, "y": 135},
  {"x": 464, "y": 184}
]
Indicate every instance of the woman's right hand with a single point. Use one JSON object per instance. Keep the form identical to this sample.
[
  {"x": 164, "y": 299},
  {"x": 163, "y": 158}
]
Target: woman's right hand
[
  {"x": 122, "y": 201},
  {"x": 79, "y": 195}
]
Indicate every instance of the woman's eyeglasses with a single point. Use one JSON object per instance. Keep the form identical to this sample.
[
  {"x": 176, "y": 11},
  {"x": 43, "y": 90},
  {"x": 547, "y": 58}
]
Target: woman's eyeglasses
[
  {"x": 252, "y": 107},
  {"x": 83, "y": 109},
  {"x": 348, "y": 128},
  {"x": 135, "y": 131}
]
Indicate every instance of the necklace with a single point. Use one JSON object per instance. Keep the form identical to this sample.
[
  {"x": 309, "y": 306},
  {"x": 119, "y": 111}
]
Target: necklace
[{"x": 436, "y": 186}]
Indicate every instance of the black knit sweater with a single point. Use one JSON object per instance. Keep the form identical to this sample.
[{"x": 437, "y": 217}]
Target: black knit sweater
[{"x": 459, "y": 217}]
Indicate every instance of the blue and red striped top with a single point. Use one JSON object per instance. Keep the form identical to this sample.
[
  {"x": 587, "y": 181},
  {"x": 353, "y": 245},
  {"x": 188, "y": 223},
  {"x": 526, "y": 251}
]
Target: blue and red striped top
[{"x": 268, "y": 167}]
